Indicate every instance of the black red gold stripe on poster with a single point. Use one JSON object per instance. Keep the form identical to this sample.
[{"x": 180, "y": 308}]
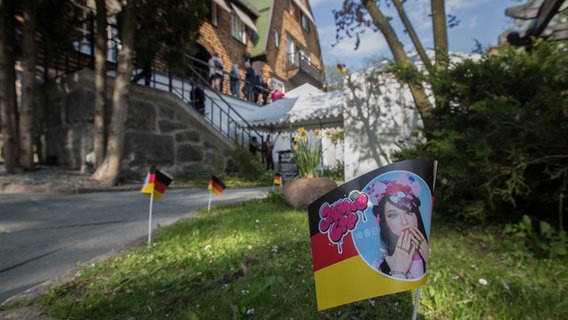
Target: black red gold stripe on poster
[
  {"x": 352, "y": 280},
  {"x": 352, "y": 237}
]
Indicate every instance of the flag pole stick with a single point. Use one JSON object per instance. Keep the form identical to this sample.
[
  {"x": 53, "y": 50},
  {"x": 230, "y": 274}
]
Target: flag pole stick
[
  {"x": 273, "y": 184},
  {"x": 210, "y": 196},
  {"x": 416, "y": 302},
  {"x": 150, "y": 218}
]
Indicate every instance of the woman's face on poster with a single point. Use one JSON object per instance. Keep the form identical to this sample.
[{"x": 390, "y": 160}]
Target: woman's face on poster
[{"x": 399, "y": 219}]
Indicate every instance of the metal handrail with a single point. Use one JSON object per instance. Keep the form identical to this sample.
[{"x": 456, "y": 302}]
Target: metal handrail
[{"x": 223, "y": 117}]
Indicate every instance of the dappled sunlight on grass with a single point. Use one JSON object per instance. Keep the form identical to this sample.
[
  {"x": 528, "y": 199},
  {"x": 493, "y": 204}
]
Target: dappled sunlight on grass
[{"x": 254, "y": 260}]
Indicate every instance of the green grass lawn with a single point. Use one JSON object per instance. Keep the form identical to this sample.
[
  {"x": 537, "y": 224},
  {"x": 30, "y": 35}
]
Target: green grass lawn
[{"x": 253, "y": 261}]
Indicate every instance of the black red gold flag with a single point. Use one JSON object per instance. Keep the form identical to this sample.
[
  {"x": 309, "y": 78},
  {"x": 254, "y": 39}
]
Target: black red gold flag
[
  {"x": 277, "y": 178},
  {"x": 216, "y": 185},
  {"x": 156, "y": 183}
]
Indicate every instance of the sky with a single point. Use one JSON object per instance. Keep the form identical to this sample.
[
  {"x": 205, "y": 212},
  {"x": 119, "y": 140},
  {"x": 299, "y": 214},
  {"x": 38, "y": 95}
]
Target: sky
[{"x": 481, "y": 20}]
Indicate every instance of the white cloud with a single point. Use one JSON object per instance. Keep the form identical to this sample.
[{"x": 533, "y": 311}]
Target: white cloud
[
  {"x": 419, "y": 15},
  {"x": 372, "y": 44},
  {"x": 452, "y": 6},
  {"x": 473, "y": 22},
  {"x": 316, "y": 3}
]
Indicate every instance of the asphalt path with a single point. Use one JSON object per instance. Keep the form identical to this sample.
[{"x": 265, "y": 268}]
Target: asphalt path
[{"x": 43, "y": 236}]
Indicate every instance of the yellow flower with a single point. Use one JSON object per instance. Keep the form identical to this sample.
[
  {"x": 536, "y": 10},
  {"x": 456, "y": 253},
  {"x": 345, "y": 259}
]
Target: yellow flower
[
  {"x": 301, "y": 130},
  {"x": 284, "y": 137},
  {"x": 328, "y": 133},
  {"x": 317, "y": 133},
  {"x": 296, "y": 138},
  {"x": 304, "y": 135},
  {"x": 295, "y": 147}
]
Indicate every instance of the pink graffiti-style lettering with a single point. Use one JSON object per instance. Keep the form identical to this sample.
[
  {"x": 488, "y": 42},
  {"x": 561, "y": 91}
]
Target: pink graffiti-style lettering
[{"x": 341, "y": 217}]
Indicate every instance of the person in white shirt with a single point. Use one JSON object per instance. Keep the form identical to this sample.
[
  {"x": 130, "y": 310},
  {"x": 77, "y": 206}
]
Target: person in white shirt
[{"x": 215, "y": 71}]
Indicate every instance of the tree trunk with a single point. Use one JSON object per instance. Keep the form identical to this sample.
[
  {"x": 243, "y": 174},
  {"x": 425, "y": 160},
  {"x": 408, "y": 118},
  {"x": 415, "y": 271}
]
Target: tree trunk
[
  {"x": 418, "y": 92},
  {"x": 29, "y": 57},
  {"x": 8, "y": 102},
  {"x": 100, "y": 82},
  {"x": 108, "y": 172},
  {"x": 413, "y": 35},
  {"x": 440, "y": 33}
]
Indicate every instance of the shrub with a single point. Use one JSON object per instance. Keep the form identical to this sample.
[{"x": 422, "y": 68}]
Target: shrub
[
  {"x": 501, "y": 135},
  {"x": 245, "y": 165}
]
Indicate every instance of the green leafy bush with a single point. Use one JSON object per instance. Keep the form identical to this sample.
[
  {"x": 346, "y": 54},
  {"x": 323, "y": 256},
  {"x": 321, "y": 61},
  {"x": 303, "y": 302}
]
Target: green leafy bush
[
  {"x": 245, "y": 165},
  {"x": 543, "y": 242},
  {"x": 502, "y": 124}
]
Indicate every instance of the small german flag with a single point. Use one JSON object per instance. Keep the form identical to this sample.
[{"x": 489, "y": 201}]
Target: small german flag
[
  {"x": 156, "y": 183},
  {"x": 277, "y": 178},
  {"x": 341, "y": 68},
  {"x": 216, "y": 185}
]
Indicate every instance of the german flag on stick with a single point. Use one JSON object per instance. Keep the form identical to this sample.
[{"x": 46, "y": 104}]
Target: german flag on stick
[
  {"x": 156, "y": 183},
  {"x": 216, "y": 186},
  {"x": 277, "y": 180}
]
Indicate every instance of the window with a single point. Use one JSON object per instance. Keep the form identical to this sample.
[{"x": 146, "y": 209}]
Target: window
[
  {"x": 277, "y": 84},
  {"x": 238, "y": 30},
  {"x": 287, "y": 6},
  {"x": 290, "y": 51},
  {"x": 305, "y": 23},
  {"x": 276, "y": 38},
  {"x": 304, "y": 55}
]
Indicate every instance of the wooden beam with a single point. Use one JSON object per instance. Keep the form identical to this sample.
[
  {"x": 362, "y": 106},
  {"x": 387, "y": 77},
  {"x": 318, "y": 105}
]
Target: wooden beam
[
  {"x": 547, "y": 10},
  {"x": 541, "y": 13},
  {"x": 556, "y": 32},
  {"x": 525, "y": 11}
]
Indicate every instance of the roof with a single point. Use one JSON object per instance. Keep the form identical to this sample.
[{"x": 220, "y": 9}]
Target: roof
[
  {"x": 247, "y": 6},
  {"x": 263, "y": 22},
  {"x": 305, "y": 106}
]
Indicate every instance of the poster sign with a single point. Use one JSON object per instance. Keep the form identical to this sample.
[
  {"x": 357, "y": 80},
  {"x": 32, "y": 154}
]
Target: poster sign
[{"x": 370, "y": 236}]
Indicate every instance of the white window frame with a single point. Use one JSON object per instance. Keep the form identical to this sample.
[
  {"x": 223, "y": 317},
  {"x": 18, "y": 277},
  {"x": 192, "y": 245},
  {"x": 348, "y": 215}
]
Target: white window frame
[
  {"x": 238, "y": 29},
  {"x": 304, "y": 55},
  {"x": 291, "y": 50},
  {"x": 305, "y": 22},
  {"x": 278, "y": 84},
  {"x": 276, "y": 38}
]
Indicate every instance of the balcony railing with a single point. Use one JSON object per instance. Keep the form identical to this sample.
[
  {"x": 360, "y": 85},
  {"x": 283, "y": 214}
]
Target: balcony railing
[{"x": 298, "y": 61}]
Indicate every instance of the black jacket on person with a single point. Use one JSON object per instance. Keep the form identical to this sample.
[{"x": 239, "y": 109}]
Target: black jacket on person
[{"x": 198, "y": 98}]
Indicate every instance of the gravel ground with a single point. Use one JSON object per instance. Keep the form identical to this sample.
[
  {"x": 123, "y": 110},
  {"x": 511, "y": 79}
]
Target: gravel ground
[{"x": 57, "y": 179}]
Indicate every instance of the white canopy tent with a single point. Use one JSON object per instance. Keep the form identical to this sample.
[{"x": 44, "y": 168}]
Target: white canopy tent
[{"x": 305, "y": 106}]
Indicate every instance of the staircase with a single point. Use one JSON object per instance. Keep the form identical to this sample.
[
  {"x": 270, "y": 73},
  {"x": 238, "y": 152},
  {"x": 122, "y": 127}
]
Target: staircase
[{"x": 221, "y": 112}]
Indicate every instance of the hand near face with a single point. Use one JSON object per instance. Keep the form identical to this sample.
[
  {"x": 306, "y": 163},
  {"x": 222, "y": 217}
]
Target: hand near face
[
  {"x": 400, "y": 261},
  {"x": 419, "y": 243}
]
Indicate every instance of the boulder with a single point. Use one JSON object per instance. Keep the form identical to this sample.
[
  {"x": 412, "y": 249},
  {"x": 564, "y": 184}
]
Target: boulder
[{"x": 299, "y": 193}]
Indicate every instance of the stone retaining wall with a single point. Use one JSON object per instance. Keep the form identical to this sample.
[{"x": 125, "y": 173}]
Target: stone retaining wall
[{"x": 161, "y": 130}]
